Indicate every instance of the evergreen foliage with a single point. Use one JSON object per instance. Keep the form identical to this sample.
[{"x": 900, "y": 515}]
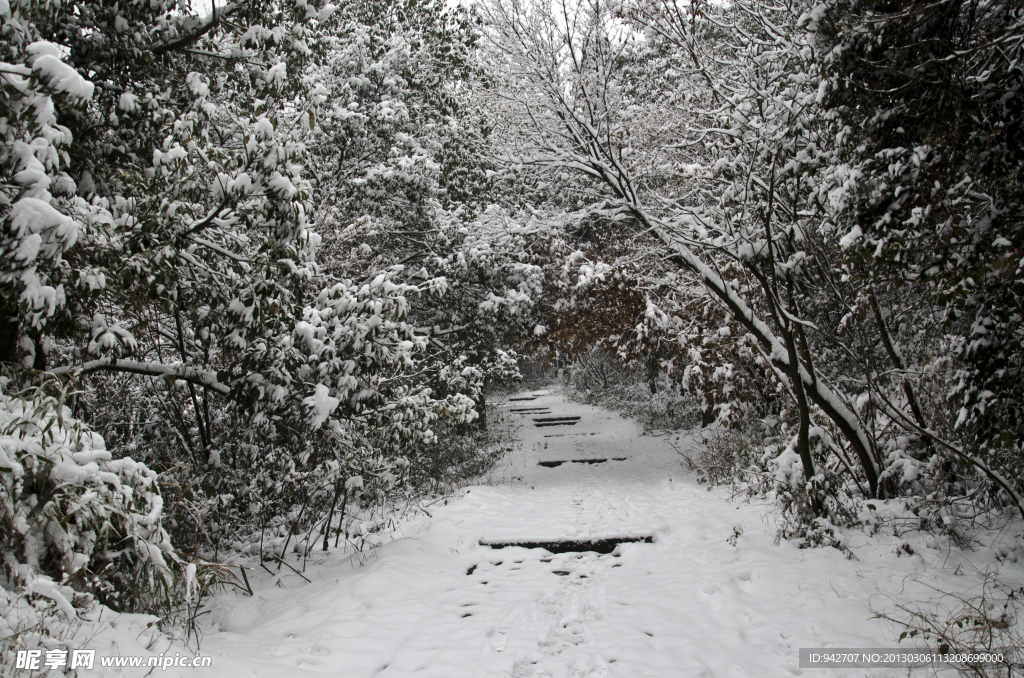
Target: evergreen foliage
[{"x": 262, "y": 261}]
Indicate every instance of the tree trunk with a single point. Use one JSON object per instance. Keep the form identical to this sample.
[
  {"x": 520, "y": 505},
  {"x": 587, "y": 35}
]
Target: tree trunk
[
  {"x": 481, "y": 408},
  {"x": 8, "y": 338},
  {"x": 330, "y": 514},
  {"x": 816, "y": 391},
  {"x": 803, "y": 443},
  {"x": 341, "y": 517},
  {"x": 707, "y": 416}
]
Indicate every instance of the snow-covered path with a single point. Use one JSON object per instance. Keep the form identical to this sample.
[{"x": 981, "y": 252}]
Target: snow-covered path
[{"x": 435, "y": 602}]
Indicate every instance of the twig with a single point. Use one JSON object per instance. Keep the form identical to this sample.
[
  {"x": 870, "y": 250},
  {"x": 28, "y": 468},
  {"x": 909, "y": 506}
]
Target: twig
[
  {"x": 246, "y": 578},
  {"x": 280, "y": 560}
]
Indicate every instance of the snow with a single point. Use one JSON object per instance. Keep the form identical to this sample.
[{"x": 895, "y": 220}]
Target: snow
[
  {"x": 128, "y": 102},
  {"x": 29, "y": 248},
  {"x": 435, "y": 602},
  {"x": 850, "y": 238},
  {"x": 278, "y": 73},
  {"x": 31, "y": 215},
  {"x": 45, "y": 586},
  {"x": 282, "y": 185},
  {"x": 60, "y": 76},
  {"x": 108, "y": 633},
  {"x": 197, "y": 84},
  {"x": 264, "y": 128},
  {"x": 190, "y": 581},
  {"x": 322, "y": 405}
]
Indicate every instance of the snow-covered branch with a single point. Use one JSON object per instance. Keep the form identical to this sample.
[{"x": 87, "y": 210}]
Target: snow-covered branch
[{"x": 171, "y": 371}]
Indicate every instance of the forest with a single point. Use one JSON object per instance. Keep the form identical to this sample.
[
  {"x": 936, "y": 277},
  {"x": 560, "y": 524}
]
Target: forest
[{"x": 264, "y": 262}]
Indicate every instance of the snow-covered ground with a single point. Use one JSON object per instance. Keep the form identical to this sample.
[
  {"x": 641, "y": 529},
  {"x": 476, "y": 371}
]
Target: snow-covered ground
[{"x": 435, "y": 602}]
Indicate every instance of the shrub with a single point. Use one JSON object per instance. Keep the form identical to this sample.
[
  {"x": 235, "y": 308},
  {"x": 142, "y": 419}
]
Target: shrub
[
  {"x": 983, "y": 621},
  {"x": 76, "y": 523}
]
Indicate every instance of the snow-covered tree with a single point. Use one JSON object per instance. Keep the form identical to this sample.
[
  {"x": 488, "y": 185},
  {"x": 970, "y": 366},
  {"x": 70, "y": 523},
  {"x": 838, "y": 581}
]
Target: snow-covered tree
[
  {"x": 928, "y": 100},
  {"x": 716, "y": 137},
  {"x": 168, "y": 167}
]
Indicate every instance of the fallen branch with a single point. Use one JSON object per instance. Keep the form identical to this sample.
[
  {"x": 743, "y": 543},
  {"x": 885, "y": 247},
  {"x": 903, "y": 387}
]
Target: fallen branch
[{"x": 281, "y": 560}]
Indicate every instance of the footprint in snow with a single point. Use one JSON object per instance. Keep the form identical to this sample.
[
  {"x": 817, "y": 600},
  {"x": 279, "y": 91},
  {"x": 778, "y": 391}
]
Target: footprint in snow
[{"x": 498, "y": 638}]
